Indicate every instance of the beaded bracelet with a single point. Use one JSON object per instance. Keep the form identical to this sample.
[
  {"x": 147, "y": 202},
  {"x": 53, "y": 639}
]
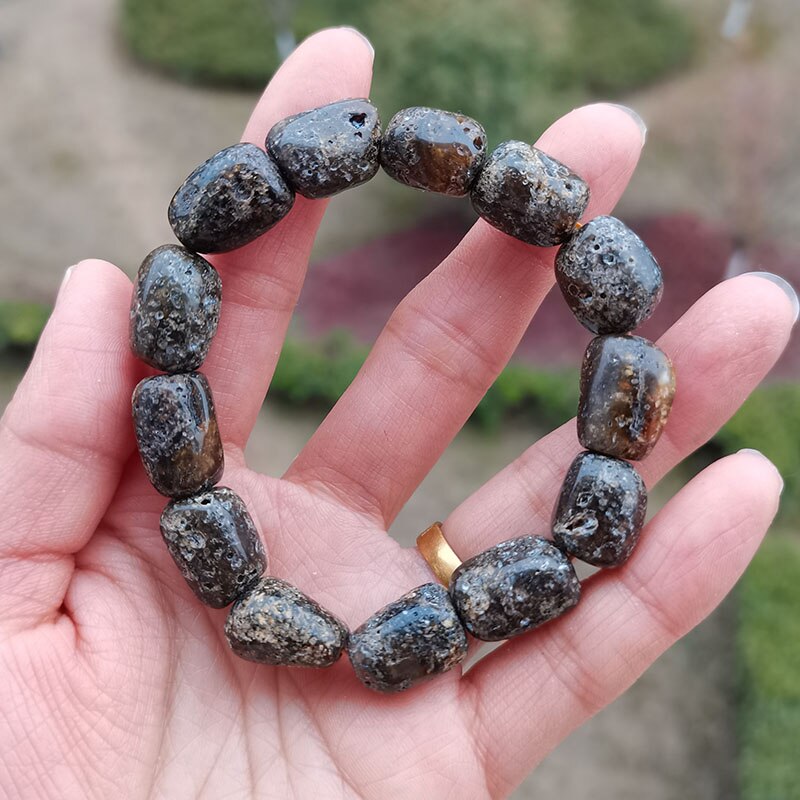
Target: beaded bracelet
[{"x": 610, "y": 281}]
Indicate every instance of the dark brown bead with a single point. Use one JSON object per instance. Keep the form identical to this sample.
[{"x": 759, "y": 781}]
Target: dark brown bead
[
  {"x": 328, "y": 149},
  {"x": 215, "y": 544},
  {"x": 230, "y": 200},
  {"x": 608, "y": 277},
  {"x": 175, "y": 309},
  {"x": 529, "y": 195},
  {"x": 438, "y": 151},
  {"x": 408, "y": 641},
  {"x": 627, "y": 387},
  {"x": 177, "y": 433},
  {"x": 275, "y": 623},
  {"x": 513, "y": 587},
  {"x": 601, "y": 510}
]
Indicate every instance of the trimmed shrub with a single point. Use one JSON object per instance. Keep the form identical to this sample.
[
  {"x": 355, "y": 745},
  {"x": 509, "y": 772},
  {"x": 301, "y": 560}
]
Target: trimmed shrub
[
  {"x": 768, "y": 645},
  {"x": 21, "y": 324},
  {"x": 770, "y": 421},
  {"x": 512, "y": 64}
]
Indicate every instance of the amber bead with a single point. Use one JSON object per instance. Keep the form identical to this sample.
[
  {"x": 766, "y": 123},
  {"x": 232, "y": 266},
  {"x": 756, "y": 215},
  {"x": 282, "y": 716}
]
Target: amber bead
[
  {"x": 175, "y": 309},
  {"x": 176, "y": 429},
  {"x": 328, "y": 149},
  {"x": 529, "y": 195},
  {"x": 408, "y": 641},
  {"x": 214, "y": 544},
  {"x": 229, "y": 200},
  {"x": 513, "y": 587},
  {"x": 627, "y": 387},
  {"x": 275, "y": 623},
  {"x": 608, "y": 277},
  {"x": 438, "y": 151},
  {"x": 600, "y": 511}
]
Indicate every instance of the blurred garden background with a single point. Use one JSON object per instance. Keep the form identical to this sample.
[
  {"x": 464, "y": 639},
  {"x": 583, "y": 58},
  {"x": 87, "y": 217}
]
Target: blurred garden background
[{"x": 108, "y": 104}]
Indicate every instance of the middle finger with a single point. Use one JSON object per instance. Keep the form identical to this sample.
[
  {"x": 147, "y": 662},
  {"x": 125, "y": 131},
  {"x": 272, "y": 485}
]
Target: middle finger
[{"x": 451, "y": 336}]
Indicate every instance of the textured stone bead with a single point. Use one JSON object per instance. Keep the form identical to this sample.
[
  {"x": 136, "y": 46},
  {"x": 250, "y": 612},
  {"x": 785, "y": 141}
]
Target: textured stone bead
[
  {"x": 329, "y": 149},
  {"x": 275, "y": 623},
  {"x": 526, "y": 194},
  {"x": 438, "y": 151},
  {"x": 409, "y": 640},
  {"x": 627, "y": 387},
  {"x": 608, "y": 277},
  {"x": 175, "y": 309},
  {"x": 176, "y": 429},
  {"x": 215, "y": 544},
  {"x": 601, "y": 510},
  {"x": 230, "y": 200},
  {"x": 513, "y": 587}
]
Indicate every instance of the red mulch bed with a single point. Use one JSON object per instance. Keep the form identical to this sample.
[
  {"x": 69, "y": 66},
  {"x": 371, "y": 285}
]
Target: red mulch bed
[{"x": 357, "y": 290}]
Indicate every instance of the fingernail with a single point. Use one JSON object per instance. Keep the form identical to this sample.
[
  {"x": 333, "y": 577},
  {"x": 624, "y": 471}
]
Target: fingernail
[
  {"x": 636, "y": 117},
  {"x": 785, "y": 285},
  {"x": 65, "y": 280},
  {"x": 358, "y": 33},
  {"x": 751, "y": 451}
]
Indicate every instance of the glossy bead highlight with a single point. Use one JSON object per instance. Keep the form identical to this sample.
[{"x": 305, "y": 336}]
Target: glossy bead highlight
[{"x": 627, "y": 388}]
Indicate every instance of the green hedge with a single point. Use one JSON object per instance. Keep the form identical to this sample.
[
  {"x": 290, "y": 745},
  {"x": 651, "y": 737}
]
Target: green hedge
[
  {"x": 770, "y": 421},
  {"x": 513, "y": 64},
  {"x": 317, "y": 373},
  {"x": 768, "y": 645},
  {"x": 21, "y": 324}
]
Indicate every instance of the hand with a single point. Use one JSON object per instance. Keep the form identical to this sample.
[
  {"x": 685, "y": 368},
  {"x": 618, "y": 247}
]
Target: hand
[{"x": 116, "y": 682}]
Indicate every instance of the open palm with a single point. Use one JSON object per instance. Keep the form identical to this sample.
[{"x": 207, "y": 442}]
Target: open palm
[{"x": 116, "y": 682}]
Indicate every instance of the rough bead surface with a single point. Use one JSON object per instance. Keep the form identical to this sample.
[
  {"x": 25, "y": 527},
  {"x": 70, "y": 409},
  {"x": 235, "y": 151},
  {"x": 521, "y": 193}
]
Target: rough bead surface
[
  {"x": 608, "y": 277},
  {"x": 601, "y": 510},
  {"x": 176, "y": 429},
  {"x": 526, "y": 194},
  {"x": 438, "y": 151},
  {"x": 275, "y": 623},
  {"x": 513, "y": 587},
  {"x": 627, "y": 387},
  {"x": 230, "y": 200},
  {"x": 328, "y": 149},
  {"x": 408, "y": 641},
  {"x": 214, "y": 544},
  {"x": 175, "y": 309}
]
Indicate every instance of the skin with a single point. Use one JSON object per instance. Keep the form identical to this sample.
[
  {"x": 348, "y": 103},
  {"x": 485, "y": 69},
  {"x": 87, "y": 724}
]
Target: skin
[{"x": 115, "y": 681}]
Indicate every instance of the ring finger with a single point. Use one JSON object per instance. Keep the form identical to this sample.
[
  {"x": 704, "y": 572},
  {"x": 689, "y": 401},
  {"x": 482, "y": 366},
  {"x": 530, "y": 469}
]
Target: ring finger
[{"x": 721, "y": 349}]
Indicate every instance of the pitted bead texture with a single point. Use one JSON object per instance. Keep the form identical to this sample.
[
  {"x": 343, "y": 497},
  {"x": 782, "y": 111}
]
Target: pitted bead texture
[
  {"x": 513, "y": 587},
  {"x": 275, "y": 623},
  {"x": 329, "y": 149},
  {"x": 230, "y": 200},
  {"x": 434, "y": 150},
  {"x": 175, "y": 309},
  {"x": 600, "y": 511},
  {"x": 214, "y": 544},
  {"x": 627, "y": 388},
  {"x": 608, "y": 277},
  {"x": 177, "y": 433},
  {"x": 529, "y": 195},
  {"x": 408, "y": 641}
]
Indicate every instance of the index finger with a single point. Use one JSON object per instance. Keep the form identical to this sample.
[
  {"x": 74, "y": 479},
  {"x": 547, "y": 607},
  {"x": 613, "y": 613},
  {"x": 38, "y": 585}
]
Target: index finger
[{"x": 261, "y": 281}]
